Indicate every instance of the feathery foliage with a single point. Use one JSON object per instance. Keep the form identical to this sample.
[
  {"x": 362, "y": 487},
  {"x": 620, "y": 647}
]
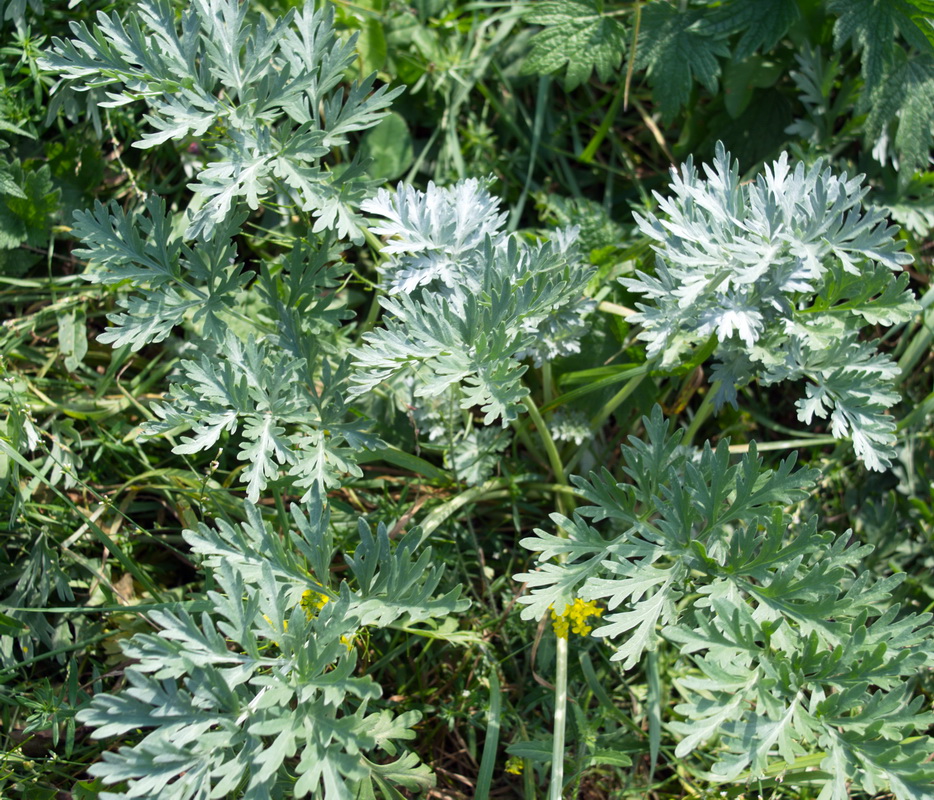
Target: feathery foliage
[
  {"x": 257, "y": 694},
  {"x": 468, "y": 302},
  {"x": 272, "y": 341},
  {"x": 782, "y": 274},
  {"x": 791, "y": 646},
  {"x": 267, "y": 94}
]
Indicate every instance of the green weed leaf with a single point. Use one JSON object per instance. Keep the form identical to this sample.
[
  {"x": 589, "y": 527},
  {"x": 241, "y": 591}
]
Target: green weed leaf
[
  {"x": 578, "y": 37},
  {"x": 676, "y": 48}
]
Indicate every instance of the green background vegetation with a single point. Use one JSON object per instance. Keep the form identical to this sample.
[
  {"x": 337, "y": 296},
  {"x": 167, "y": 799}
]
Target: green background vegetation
[{"x": 577, "y": 109}]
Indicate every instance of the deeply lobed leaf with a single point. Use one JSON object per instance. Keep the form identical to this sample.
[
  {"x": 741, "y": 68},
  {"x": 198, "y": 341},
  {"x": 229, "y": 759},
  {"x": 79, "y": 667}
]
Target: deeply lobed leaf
[{"x": 783, "y": 273}]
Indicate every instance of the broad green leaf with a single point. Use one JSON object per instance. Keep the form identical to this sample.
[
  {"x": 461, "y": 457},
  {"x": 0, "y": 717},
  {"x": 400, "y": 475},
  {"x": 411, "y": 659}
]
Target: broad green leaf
[
  {"x": 761, "y": 24},
  {"x": 389, "y": 146},
  {"x": 742, "y": 78},
  {"x": 27, "y": 206},
  {"x": 677, "y": 48},
  {"x": 578, "y": 37},
  {"x": 371, "y": 45},
  {"x": 871, "y": 27}
]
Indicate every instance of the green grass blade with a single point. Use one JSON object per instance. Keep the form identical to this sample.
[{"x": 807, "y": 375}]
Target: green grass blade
[{"x": 491, "y": 745}]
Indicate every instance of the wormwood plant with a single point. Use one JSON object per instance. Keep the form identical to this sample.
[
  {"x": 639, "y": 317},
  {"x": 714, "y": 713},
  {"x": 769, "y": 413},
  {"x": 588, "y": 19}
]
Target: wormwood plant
[
  {"x": 265, "y": 97},
  {"x": 785, "y": 650},
  {"x": 257, "y": 694},
  {"x": 790, "y": 649},
  {"x": 468, "y": 303},
  {"x": 266, "y": 94},
  {"x": 779, "y": 277}
]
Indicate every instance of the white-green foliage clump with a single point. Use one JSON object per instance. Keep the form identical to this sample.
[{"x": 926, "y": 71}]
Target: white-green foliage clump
[
  {"x": 287, "y": 420},
  {"x": 467, "y": 302},
  {"x": 266, "y": 98},
  {"x": 258, "y": 694},
  {"x": 783, "y": 272},
  {"x": 267, "y": 93},
  {"x": 174, "y": 281},
  {"x": 789, "y": 649},
  {"x": 570, "y": 425},
  {"x": 280, "y": 393}
]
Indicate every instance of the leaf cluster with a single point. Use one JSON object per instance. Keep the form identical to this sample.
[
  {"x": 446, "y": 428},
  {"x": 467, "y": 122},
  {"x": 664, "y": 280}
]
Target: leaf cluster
[
  {"x": 467, "y": 302},
  {"x": 281, "y": 392},
  {"x": 249, "y": 337},
  {"x": 258, "y": 692},
  {"x": 265, "y": 96},
  {"x": 789, "y": 648},
  {"x": 898, "y": 79},
  {"x": 737, "y": 44},
  {"x": 781, "y": 274}
]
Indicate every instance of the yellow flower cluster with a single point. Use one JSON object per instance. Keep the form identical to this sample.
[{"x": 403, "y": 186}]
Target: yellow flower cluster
[
  {"x": 313, "y": 602},
  {"x": 574, "y": 618},
  {"x": 514, "y": 765}
]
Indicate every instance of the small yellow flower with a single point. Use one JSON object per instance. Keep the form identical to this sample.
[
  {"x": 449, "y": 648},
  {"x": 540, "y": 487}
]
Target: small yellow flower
[
  {"x": 560, "y": 623},
  {"x": 579, "y": 612},
  {"x": 574, "y": 617},
  {"x": 313, "y": 601},
  {"x": 514, "y": 765}
]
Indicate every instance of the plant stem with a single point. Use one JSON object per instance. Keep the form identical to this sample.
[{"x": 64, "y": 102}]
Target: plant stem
[
  {"x": 561, "y": 710},
  {"x": 705, "y": 410},
  {"x": 563, "y": 505},
  {"x": 554, "y": 458},
  {"x": 488, "y": 760},
  {"x": 619, "y": 398},
  {"x": 547, "y": 394}
]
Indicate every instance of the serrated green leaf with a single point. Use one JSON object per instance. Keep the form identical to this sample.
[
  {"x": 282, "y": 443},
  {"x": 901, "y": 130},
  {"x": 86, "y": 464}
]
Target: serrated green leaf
[
  {"x": 578, "y": 37},
  {"x": 8, "y": 184},
  {"x": 25, "y": 212},
  {"x": 761, "y": 25},
  {"x": 677, "y": 48},
  {"x": 871, "y": 26}
]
